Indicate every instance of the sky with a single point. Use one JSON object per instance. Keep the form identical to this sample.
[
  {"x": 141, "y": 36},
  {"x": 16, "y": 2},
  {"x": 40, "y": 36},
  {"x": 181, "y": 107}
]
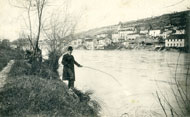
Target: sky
[{"x": 92, "y": 13}]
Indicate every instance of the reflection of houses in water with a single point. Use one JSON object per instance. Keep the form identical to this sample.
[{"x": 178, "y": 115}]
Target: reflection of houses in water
[{"x": 177, "y": 40}]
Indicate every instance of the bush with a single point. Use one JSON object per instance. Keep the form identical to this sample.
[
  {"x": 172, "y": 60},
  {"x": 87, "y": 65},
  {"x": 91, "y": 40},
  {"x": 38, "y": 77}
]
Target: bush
[
  {"x": 24, "y": 68},
  {"x": 7, "y": 54}
]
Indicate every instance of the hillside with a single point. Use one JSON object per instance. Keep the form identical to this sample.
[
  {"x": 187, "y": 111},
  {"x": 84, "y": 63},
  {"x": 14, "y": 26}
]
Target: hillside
[{"x": 178, "y": 19}]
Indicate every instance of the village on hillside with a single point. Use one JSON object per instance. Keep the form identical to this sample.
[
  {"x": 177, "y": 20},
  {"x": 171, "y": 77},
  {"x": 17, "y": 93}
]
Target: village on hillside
[{"x": 166, "y": 31}]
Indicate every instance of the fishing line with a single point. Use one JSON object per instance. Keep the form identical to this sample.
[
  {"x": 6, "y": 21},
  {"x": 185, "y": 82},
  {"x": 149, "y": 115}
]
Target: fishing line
[
  {"x": 104, "y": 73},
  {"x": 125, "y": 92}
]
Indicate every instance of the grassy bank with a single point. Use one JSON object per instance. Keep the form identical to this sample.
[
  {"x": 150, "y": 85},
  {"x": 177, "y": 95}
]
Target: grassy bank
[
  {"x": 39, "y": 95},
  {"x": 7, "y": 54}
]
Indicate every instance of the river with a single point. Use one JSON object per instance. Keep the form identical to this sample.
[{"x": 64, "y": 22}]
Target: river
[{"x": 128, "y": 86}]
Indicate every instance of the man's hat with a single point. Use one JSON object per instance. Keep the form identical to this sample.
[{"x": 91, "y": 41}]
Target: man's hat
[{"x": 70, "y": 48}]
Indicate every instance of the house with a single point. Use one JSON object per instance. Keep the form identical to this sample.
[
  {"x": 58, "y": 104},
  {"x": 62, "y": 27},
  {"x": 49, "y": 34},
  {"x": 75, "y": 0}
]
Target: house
[
  {"x": 77, "y": 42},
  {"x": 104, "y": 41},
  {"x": 180, "y": 31},
  {"x": 108, "y": 41},
  {"x": 124, "y": 30},
  {"x": 132, "y": 36},
  {"x": 177, "y": 40},
  {"x": 154, "y": 33},
  {"x": 89, "y": 43},
  {"x": 144, "y": 32},
  {"x": 101, "y": 43},
  {"x": 166, "y": 33},
  {"x": 124, "y": 33},
  {"x": 121, "y": 40},
  {"x": 115, "y": 37},
  {"x": 102, "y": 35}
]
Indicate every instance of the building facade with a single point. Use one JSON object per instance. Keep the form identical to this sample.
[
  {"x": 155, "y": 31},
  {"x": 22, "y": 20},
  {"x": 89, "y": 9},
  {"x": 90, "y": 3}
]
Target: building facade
[
  {"x": 77, "y": 42},
  {"x": 102, "y": 35},
  {"x": 89, "y": 44},
  {"x": 154, "y": 33},
  {"x": 115, "y": 37},
  {"x": 175, "y": 41}
]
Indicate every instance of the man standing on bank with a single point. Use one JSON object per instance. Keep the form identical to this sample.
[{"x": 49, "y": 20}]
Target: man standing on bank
[{"x": 69, "y": 71}]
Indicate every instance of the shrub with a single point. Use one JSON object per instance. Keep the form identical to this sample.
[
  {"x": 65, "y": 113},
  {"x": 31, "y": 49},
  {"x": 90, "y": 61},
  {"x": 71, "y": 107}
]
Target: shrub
[
  {"x": 7, "y": 54},
  {"x": 24, "y": 68}
]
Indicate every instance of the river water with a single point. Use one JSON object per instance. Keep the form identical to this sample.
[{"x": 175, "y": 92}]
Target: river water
[{"x": 125, "y": 82}]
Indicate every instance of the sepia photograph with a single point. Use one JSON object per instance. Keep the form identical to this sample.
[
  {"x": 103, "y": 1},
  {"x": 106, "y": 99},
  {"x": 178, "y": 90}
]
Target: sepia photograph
[{"x": 94, "y": 58}]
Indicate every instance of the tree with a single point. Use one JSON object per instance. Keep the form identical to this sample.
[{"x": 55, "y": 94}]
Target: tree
[
  {"x": 58, "y": 32},
  {"x": 58, "y": 28},
  {"x": 5, "y": 43},
  {"x": 21, "y": 43},
  {"x": 37, "y": 8}
]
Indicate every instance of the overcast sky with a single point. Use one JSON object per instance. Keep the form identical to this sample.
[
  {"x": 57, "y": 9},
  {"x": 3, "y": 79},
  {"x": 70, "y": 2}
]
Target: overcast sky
[{"x": 95, "y": 13}]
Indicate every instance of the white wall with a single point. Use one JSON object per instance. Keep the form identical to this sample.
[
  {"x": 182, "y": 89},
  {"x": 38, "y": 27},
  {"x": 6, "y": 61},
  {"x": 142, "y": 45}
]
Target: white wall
[{"x": 175, "y": 43}]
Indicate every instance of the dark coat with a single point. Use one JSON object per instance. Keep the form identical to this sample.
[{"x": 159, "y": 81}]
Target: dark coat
[{"x": 69, "y": 71}]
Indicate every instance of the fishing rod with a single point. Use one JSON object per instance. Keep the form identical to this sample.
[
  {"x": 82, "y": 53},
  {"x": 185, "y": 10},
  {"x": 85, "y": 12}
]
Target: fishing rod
[{"x": 104, "y": 73}]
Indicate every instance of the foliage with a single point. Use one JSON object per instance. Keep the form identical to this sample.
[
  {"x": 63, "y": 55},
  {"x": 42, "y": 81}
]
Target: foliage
[
  {"x": 53, "y": 60},
  {"x": 6, "y": 54},
  {"x": 24, "y": 68},
  {"x": 179, "y": 92},
  {"x": 21, "y": 42}
]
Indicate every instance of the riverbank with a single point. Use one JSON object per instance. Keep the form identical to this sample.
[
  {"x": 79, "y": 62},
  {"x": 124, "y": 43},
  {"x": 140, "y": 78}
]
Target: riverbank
[
  {"x": 136, "y": 47},
  {"x": 42, "y": 94}
]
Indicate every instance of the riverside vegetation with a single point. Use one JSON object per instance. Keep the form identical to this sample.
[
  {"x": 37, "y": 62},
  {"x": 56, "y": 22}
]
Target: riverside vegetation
[{"x": 41, "y": 93}]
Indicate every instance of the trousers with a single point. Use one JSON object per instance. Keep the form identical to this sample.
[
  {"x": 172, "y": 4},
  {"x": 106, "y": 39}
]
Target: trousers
[{"x": 71, "y": 83}]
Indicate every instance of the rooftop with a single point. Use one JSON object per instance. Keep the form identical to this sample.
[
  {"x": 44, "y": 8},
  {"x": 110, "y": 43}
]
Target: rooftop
[{"x": 177, "y": 36}]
